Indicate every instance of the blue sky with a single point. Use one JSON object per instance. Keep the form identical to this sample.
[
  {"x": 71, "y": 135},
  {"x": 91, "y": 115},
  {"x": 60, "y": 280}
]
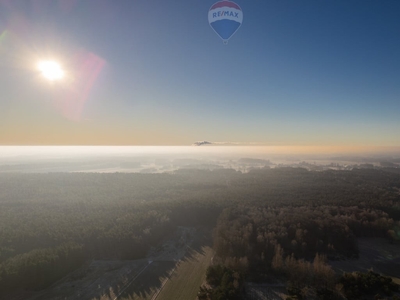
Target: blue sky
[{"x": 295, "y": 73}]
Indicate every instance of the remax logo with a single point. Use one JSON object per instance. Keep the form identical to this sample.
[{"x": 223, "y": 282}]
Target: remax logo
[
  {"x": 226, "y": 14},
  {"x": 225, "y": 17}
]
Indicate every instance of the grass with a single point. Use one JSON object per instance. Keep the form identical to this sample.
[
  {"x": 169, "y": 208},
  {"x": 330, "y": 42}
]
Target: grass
[
  {"x": 189, "y": 275},
  {"x": 396, "y": 280}
]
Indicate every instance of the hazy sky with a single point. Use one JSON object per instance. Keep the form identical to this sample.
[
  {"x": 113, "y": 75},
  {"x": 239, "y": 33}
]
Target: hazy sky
[{"x": 153, "y": 72}]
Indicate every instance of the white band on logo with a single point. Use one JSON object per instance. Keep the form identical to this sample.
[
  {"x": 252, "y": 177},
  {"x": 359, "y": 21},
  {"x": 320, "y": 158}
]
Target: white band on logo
[{"x": 225, "y": 13}]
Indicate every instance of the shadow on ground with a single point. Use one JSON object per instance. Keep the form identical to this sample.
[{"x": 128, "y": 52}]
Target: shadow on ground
[{"x": 145, "y": 283}]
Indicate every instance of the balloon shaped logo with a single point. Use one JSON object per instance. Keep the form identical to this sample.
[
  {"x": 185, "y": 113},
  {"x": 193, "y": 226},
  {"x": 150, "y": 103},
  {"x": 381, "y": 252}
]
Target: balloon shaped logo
[{"x": 225, "y": 17}]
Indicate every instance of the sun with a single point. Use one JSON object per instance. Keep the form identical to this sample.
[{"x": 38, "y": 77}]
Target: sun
[{"x": 51, "y": 70}]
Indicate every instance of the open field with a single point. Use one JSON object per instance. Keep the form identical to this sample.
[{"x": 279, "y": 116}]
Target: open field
[
  {"x": 183, "y": 257},
  {"x": 375, "y": 253},
  {"x": 177, "y": 270},
  {"x": 148, "y": 283},
  {"x": 189, "y": 275},
  {"x": 91, "y": 281}
]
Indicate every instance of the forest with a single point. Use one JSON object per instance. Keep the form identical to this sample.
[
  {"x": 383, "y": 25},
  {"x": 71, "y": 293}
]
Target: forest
[{"x": 266, "y": 222}]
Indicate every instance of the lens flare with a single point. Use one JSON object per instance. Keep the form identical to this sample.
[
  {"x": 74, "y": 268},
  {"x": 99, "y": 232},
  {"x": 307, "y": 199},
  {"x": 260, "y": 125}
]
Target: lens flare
[
  {"x": 3, "y": 35},
  {"x": 51, "y": 70}
]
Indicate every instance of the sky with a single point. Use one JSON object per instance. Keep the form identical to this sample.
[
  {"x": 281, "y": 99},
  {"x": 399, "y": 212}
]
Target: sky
[{"x": 153, "y": 72}]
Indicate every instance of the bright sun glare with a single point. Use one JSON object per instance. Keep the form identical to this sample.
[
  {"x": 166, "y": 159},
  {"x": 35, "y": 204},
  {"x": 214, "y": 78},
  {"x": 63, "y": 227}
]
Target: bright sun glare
[{"x": 51, "y": 70}]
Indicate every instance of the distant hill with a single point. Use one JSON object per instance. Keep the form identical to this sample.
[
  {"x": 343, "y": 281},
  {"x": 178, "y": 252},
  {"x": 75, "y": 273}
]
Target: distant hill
[{"x": 201, "y": 143}]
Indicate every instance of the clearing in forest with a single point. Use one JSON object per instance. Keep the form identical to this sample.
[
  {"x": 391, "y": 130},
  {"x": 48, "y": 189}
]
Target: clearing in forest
[
  {"x": 374, "y": 253},
  {"x": 189, "y": 275}
]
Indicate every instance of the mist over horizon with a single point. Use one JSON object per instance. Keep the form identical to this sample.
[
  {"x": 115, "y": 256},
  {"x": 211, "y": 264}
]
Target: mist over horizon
[{"x": 159, "y": 159}]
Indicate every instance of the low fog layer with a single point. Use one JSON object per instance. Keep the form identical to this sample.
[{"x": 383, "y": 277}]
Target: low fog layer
[{"x": 169, "y": 159}]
